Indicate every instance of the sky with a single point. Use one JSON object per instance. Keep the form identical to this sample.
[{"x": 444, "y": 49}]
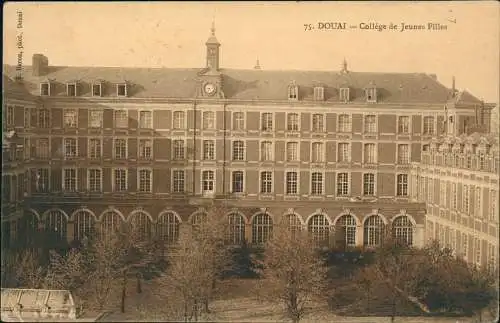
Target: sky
[{"x": 173, "y": 34}]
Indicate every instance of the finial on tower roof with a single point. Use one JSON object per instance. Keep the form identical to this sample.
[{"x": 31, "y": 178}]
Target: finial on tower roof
[
  {"x": 213, "y": 26},
  {"x": 344, "y": 66}
]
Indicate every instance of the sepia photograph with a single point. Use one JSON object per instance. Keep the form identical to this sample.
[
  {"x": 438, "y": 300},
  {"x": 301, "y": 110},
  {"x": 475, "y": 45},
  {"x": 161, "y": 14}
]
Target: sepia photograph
[{"x": 250, "y": 161}]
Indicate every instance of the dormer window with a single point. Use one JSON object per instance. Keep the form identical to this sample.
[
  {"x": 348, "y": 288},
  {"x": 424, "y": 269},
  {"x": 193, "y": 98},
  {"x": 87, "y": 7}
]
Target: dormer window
[
  {"x": 293, "y": 92},
  {"x": 371, "y": 94},
  {"x": 45, "y": 88},
  {"x": 71, "y": 89},
  {"x": 97, "y": 89},
  {"x": 344, "y": 94},
  {"x": 121, "y": 89},
  {"x": 319, "y": 93}
]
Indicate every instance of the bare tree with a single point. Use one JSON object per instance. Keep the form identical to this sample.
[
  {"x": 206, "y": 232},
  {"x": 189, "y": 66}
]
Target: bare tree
[
  {"x": 293, "y": 270},
  {"x": 29, "y": 272}
]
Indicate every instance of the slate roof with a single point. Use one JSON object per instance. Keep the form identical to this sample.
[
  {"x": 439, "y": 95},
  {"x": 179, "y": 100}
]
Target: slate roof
[{"x": 243, "y": 84}]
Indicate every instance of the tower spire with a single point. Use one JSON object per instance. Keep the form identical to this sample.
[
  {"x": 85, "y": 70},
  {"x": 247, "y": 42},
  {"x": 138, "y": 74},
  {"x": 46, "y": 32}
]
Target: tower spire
[
  {"x": 344, "y": 66},
  {"x": 212, "y": 30}
]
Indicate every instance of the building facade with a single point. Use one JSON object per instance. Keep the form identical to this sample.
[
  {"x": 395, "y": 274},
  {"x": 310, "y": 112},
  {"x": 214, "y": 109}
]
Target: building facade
[
  {"x": 108, "y": 145},
  {"x": 458, "y": 178}
]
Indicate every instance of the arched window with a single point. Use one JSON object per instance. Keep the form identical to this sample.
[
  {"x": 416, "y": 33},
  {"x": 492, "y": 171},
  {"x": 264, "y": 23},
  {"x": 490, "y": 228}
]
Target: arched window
[
  {"x": 28, "y": 230},
  {"x": 236, "y": 228},
  {"x": 262, "y": 227},
  {"x": 197, "y": 221},
  {"x": 111, "y": 222},
  {"x": 84, "y": 225},
  {"x": 141, "y": 225},
  {"x": 168, "y": 227},
  {"x": 345, "y": 231},
  {"x": 56, "y": 223},
  {"x": 319, "y": 228},
  {"x": 292, "y": 223},
  {"x": 373, "y": 231},
  {"x": 402, "y": 230}
]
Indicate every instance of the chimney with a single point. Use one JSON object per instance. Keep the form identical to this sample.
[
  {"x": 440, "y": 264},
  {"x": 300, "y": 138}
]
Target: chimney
[
  {"x": 40, "y": 65},
  {"x": 257, "y": 65}
]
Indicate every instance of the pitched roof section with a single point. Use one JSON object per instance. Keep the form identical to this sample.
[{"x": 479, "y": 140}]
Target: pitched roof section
[{"x": 240, "y": 84}]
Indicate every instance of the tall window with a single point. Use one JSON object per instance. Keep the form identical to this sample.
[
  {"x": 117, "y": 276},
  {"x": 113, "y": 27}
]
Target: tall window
[
  {"x": 95, "y": 180},
  {"x": 262, "y": 227},
  {"x": 95, "y": 119},
  {"x": 178, "y": 176},
  {"x": 96, "y": 89},
  {"x": 145, "y": 181},
  {"x": 403, "y": 124},
  {"x": 120, "y": 180},
  {"x": 121, "y": 119},
  {"x": 291, "y": 183},
  {"x": 454, "y": 198},
  {"x": 120, "y": 148},
  {"x": 145, "y": 119},
  {"x": 373, "y": 230},
  {"x": 293, "y": 92},
  {"x": 370, "y": 153},
  {"x": 44, "y": 118},
  {"x": 179, "y": 119},
  {"x": 179, "y": 149},
  {"x": 403, "y": 154},
  {"x": 344, "y": 153},
  {"x": 111, "y": 222},
  {"x": 236, "y": 229},
  {"x": 208, "y": 178},
  {"x": 370, "y": 124},
  {"x": 317, "y": 122},
  {"x": 238, "y": 121},
  {"x": 70, "y": 118},
  {"x": 266, "y": 182},
  {"x": 141, "y": 225},
  {"x": 10, "y": 115},
  {"x": 84, "y": 224},
  {"x": 493, "y": 205},
  {"x": 346, "y": 228},
  {"x": 266, "y": 150},
  {"x": 95, "y": 148},
  {"x": 266, "y": 121},
  {"x": 479, "y": 202},
  {"x": 316, "y": 183},
  {"x": 56, "y": 222},
  {"x": 292, "y": 151},
  {"x": 317, "y": 152},
  {"x": 27, "y": 117},
  {"x": 319, "y": 229},
  {"x": 208, "y": 120},
  {"x": 368, "y": 184},
  {"x": 42, "y": 148},
  {"x": 344, "y": 94},
  {"x": 342, "y": 184},
  {"x": 208, "y": 149},
  {"x": 293, "y": 122},
  {"x": 237, "y": 182},
  {"x": 402, "y": 180},
  {"x": 428, "y": 125},
  {"x": 344, "y": 123},
  {"x": 69, "y": 179},
  {"x": 466, "y": 198},
  {"x": 41, "y": 180},
  {"x": 402, "y": 230},
  {"x": 145, "y": 148},
  {"x": 168, "y": 227},
  {"x": 70, "y": 149},
  {"x": 319, "y": 93},
  {"x": 238, "y": 150}
]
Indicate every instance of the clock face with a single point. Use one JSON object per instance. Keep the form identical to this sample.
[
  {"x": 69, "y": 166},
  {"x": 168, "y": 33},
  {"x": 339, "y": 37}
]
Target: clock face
[{"x": 209, "y": 88}]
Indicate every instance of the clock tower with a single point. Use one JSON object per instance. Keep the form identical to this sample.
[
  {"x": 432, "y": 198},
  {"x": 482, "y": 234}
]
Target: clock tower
[
  {"x": 213, "y": 47},
  {"x": 210, "y": 78}
]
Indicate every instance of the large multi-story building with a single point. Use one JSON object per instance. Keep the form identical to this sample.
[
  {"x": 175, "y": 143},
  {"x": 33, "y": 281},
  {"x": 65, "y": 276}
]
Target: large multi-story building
[
  {"x": 330, "y": 151},
  {"x": 458, "y": 178}
]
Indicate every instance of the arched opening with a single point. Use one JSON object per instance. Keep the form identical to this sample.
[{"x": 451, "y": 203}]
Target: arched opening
[
  {"x": 140, "y": 225},
  {"x": 197, "y": 220},
  {"x": 262, "y": 227},
  {"x": 56, "y": 223},
  {"x": 28, "y": 232},
  {"x": 345, "y": 231},
  {"x": 402, "y": 230},
  {"x": 83, "y": 225},
  {"x": 373, "y": 231},
  {"x": 111, "y": 223},
  {"x": 319, "y": 229},
  {"x": 236, "y": 229},
  {"x": 168, "y": 227},
  {"x": 291, "y": 221}
]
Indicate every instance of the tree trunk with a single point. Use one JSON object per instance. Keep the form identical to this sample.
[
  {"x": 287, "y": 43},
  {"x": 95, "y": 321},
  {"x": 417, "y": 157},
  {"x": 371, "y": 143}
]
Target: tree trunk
[
  {"x": 393, "y": 310},
  {"x": 124, "y": 291},
  {"x": 139, "y": 287}
]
